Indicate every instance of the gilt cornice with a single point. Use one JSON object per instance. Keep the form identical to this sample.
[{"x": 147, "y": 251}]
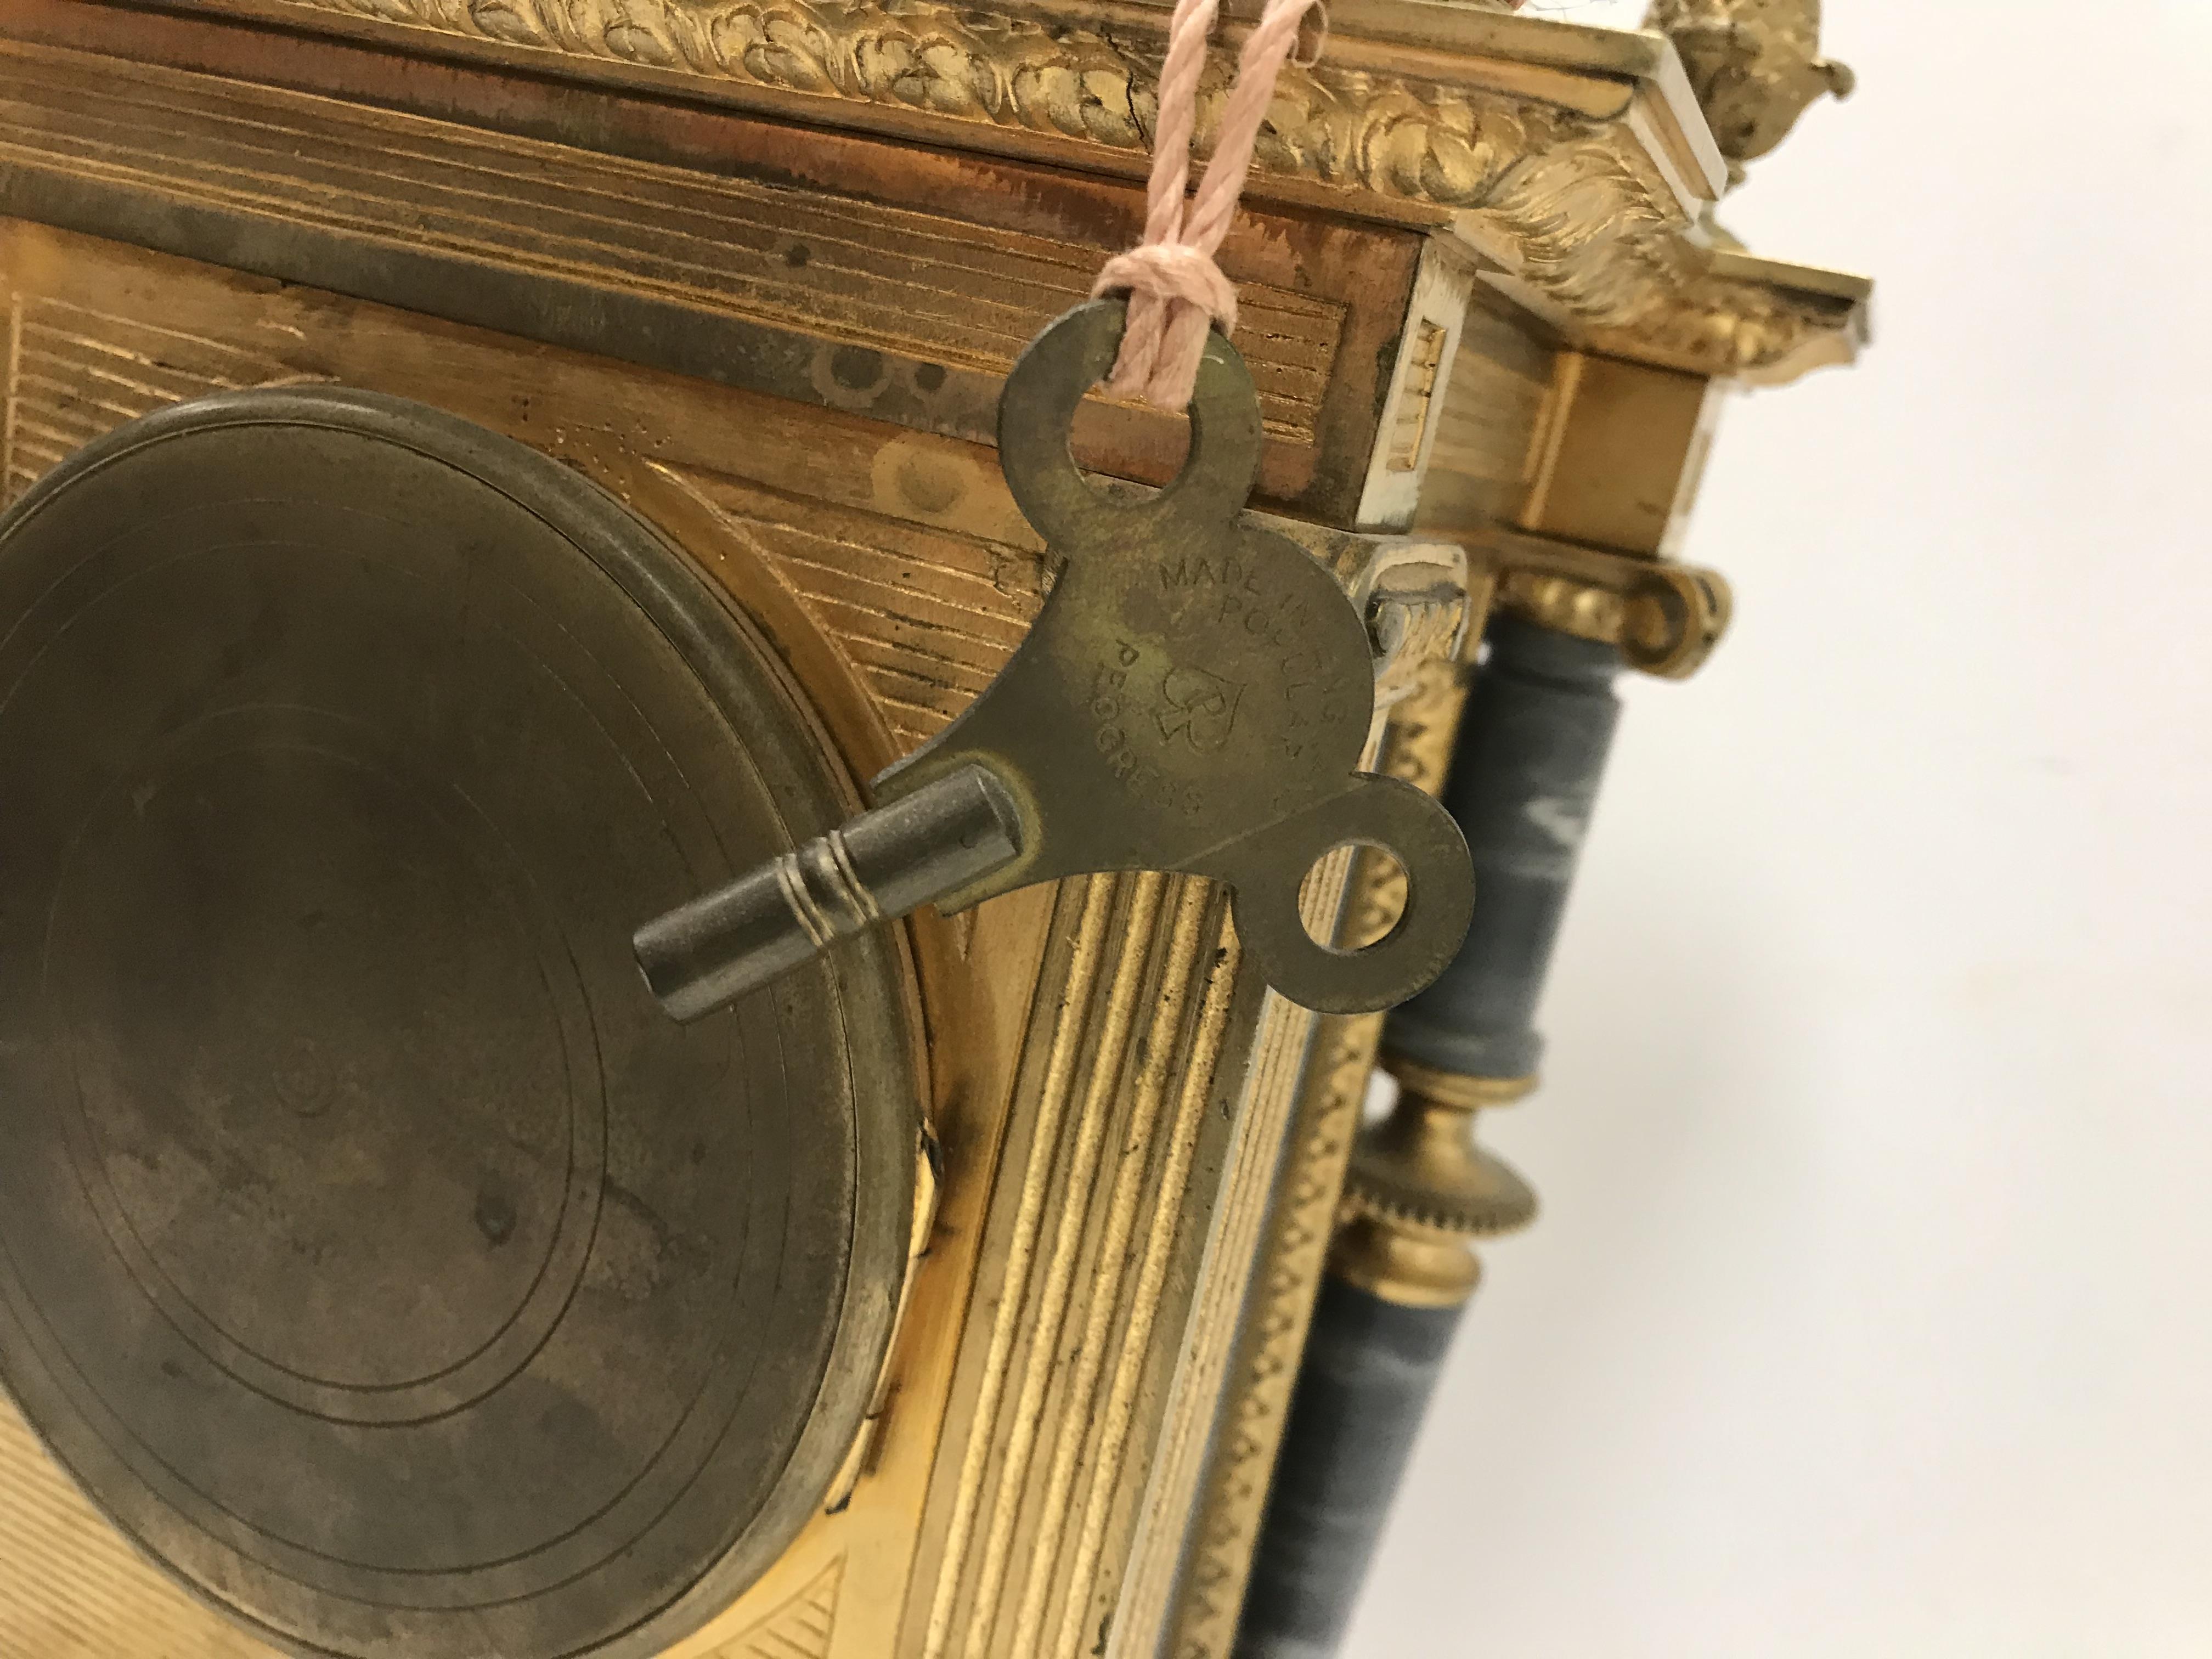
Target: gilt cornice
[{"x": 1573, "y": 158}]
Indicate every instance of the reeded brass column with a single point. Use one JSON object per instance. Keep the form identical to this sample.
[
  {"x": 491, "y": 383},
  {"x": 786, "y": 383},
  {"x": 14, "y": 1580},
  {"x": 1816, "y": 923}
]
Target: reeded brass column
[{"x": 1530, "y": 751}]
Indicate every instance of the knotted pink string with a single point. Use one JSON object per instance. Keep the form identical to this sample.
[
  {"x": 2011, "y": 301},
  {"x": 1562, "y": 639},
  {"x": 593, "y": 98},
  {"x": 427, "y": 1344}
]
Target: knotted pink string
[{"x": 1176, "y": 290}]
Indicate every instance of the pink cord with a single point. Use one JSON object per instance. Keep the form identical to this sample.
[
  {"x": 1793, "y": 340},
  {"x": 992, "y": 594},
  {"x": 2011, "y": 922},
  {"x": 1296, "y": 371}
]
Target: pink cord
[{"x": 1176, "y": 290}]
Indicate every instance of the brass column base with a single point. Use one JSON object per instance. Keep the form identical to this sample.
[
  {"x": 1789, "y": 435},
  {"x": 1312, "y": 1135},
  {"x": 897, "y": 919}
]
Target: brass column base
[{"x": 1421, "y": 1190}]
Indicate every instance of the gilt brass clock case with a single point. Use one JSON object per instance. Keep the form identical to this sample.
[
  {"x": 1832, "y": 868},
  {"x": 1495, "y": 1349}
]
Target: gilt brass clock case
[{"x": 372, "y": 1249}]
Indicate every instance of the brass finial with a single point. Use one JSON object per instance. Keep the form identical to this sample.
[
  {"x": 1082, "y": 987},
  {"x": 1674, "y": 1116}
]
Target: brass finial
[{"x": 1754, "y": 64}]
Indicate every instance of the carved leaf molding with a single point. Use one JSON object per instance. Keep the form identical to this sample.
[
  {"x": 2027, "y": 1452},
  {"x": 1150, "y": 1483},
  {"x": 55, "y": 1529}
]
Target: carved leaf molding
[{"x": 1596, "y": 232}]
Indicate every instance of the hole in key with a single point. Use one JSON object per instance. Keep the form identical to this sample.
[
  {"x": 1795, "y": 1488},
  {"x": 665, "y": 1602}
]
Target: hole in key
[
  {"x": 1169, "y": 434},
  {"x": 1353, "y": 896}
]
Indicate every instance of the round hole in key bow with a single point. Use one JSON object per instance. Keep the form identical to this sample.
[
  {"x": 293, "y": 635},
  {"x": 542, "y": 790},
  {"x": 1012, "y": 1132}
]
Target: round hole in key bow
[
  {"x": 1165, "y": 436},
  {"x": 1353, "y": 896}
]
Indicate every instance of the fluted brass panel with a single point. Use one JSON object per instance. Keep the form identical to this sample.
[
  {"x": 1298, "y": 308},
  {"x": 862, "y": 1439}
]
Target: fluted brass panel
[
  {"x": 1255, "y": 1398},
  {"x": 1134, "y": 1025}
]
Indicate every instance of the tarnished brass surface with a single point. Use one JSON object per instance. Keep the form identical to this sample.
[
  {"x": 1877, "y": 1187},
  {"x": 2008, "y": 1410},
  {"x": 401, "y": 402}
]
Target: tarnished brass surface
[
  {"x": 1573, "y": 160},
  {"x": 1074, "y": 83},
  {"x": 769, "y": 312},
  {"x": 724, "y": 252},
  {"x": 893, "y": 575},
  {"x": 1409, "y": 1266},
  {"x": 136, "y": 331},
  {"x": 375, "y": 1253},
  {"x": 1195, "y": 696}
]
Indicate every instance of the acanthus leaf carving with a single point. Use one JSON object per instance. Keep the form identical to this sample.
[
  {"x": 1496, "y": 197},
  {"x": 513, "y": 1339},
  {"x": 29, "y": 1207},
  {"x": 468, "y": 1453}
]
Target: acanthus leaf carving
[{"x": 1595, "y": 232}]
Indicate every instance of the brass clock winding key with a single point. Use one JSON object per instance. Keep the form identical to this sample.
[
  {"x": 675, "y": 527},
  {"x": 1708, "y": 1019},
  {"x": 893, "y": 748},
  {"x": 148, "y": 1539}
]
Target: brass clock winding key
[{"x": 1193, "y": 698}]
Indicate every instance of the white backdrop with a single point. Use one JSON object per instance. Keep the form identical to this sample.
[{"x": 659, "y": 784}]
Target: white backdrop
[{"x": 1871, "y": 1313}]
